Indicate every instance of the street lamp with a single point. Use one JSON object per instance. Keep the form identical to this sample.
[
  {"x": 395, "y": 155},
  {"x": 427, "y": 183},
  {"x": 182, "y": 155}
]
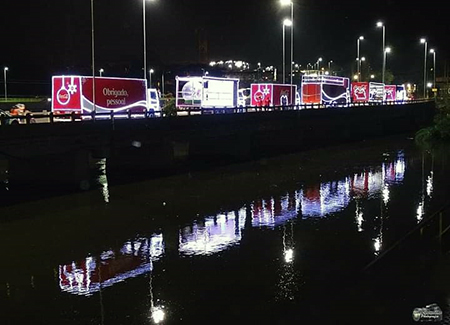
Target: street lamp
[
  {"x": 6, "y": 89},
  {"x": 432, "y": 51},
  {"x": 259, "y": 71},
  {"x": 372, "y": 76},
  {"x": 361, "y": 38},
  {"x": 363, "y": 59},
  {"x": 291, "y": 3},
  {"x": 329, "y": 66},
  {"x": 151, "y": 71},
  {"x": 101, "y": 72},
  {"x": 93, "y": 56},
  {"x": 387, "y": 50},
  {"x": 145, "y": 35},
  {"x": 381, "y": 25},
  {"x": 318, "y": 63},
  {"x": 286, "y": 23},
  {"x": 424, "y": 41}
]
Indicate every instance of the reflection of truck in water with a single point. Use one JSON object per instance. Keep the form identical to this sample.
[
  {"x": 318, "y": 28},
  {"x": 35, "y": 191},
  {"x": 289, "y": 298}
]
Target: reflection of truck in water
[{"x": 206, "y": 92}]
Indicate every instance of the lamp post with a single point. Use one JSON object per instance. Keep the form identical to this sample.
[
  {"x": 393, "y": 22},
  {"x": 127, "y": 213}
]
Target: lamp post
[
  {"x": 101, "y": 72},
  {"x": 357, "y": 56},
  {"x": 329, "y": 66},
  {"x": 363, "y": 59},
  {"x": 259, "y": 71},
  {"x": 144, "y": 24},
  {"x": 286, "y": 23},
  {"x": 424, "y": 41},
  {"x": 291, "y": 3},
  {"x": 318, "y": 64},
  {"x": 5, "y": 69},
  {"x": 432, "y": 51},
  {"x": 387, "y": 50},
  {"x": 151, "y": 71},
  {"x": 381, "y": 25},
  {"x": 93, "y": 56}
]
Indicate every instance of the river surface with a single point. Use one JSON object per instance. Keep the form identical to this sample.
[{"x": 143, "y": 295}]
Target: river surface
[{"x": 277, "y": 241}]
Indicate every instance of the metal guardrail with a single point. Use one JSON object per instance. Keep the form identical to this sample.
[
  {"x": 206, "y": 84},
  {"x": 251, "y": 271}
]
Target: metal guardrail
[
  {"x": 436, "y": 219},
  {"x": 31, "y": 118}
]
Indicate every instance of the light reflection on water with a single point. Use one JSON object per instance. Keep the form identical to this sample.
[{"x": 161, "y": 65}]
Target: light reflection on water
[
  {"x": 217, "y": 233},
  {"x": 111, "y": 267}
]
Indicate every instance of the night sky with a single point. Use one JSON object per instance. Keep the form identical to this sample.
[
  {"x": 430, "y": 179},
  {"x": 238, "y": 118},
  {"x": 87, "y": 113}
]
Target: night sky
[{"x": 47, "y": 37}]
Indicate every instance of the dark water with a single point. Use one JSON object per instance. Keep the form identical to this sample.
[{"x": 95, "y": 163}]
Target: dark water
[{"x": 278, "y": 241}]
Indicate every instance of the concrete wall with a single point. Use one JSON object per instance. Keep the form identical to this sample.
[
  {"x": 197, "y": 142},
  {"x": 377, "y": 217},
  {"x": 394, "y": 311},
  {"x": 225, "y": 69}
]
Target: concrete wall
[{"x": 63, "y": 152}]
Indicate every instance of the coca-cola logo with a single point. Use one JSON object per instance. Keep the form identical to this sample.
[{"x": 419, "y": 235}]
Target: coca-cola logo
[{"x": 63, "y": 96}]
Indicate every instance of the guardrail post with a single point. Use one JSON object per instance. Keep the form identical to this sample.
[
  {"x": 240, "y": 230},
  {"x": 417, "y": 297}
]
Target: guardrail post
[
  {"x": 93, "y": 115},
  {"x": 28, "y": 118},
  {"x": 72, "y": 116},
  {"x": 51, "y": 117},
  {"x": 3, "y": 120},
  {"x": 129, "y": 114}
]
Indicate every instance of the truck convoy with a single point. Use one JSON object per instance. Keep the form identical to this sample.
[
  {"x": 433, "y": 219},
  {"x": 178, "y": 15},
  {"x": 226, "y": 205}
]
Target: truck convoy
[
  {"x": 373, "y": 92},
  {"x": 75, "y": 94}
]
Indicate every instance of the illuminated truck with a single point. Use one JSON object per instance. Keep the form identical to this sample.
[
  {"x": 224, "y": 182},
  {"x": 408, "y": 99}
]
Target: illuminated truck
[
  {"x": 365, "y": 92},
  {"x": 325, "y": 90},
  {"x": 267, "y": 95},
  {"x": 74, "y": 94},
  {"x": 206, "y": 92}
]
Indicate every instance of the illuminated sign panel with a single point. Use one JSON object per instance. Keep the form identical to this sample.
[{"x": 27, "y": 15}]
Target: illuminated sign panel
[
  {"x": 219, "y": 93},
  {"x": 206, "y": 92},
  {"x": 376, "y": 92},
  {"x": 360, "y": 92},
  {"x": 75, "y": 94}
]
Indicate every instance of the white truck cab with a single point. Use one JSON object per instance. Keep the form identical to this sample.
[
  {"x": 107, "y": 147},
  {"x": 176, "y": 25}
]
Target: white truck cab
[{"x": 153, "y": 100}]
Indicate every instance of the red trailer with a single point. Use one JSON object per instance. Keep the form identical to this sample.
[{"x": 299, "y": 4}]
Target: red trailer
[
  {"x": 273, "y": 95},
  {"x": 325, "y": 90},
  {"x": 75, "y": 94}
]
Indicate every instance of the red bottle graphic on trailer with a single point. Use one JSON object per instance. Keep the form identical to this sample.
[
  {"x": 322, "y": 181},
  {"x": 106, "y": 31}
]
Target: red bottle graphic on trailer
[
  {"x": 273, "y": 95},
  {"x": 75, "y": 94}
]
